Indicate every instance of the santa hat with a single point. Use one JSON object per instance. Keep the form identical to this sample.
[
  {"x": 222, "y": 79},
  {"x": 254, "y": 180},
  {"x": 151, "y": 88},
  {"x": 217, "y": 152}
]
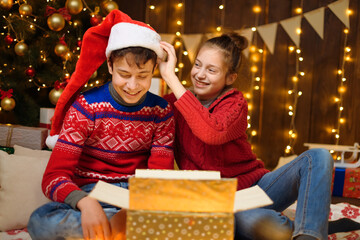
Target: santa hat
[{"x": 117, "y": 31}]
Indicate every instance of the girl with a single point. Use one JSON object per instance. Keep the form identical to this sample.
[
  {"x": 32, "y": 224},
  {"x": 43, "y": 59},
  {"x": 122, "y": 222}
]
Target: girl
[{"x": 211, "y": 122}]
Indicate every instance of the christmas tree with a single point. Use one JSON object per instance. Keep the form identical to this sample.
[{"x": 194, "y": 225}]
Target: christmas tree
[{"x": 41, "y": 42}]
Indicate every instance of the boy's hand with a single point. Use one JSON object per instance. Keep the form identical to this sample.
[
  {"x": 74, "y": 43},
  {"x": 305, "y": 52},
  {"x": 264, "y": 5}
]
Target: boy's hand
[{"x": 94, "y": 222}]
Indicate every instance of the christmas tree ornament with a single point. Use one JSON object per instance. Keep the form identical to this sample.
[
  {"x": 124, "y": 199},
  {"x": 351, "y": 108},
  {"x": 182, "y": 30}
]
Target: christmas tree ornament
[
  {"x": 56, "y": 22},
  {"x": 25, "y": 9},
  {"x": 79, "y": 42},
  {"x": 9, "y": 39},
  {"x": 95, "y": 20},
  {"x": 7, "y": 104},
  {"x": 74, "y": 6},
  {"x": 30, "y": 71},
  {"x": 94, "y": 75},
  {"x": 7, "y": 4},
  {"x": 109, "y": 5},
  {"x": 54, "y": 95},
  {"x": 21, "y": 48},
  {"x": 61, "y": 50}
]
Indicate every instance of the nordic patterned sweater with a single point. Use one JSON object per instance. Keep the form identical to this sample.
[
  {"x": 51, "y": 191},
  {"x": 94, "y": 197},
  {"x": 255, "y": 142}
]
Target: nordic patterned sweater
[
  {"x": 215, "y": 138},
  {"x": 103, "y": 140}
]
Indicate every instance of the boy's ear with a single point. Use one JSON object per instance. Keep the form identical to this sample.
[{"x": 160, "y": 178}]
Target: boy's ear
[
  {"x": 230, "y": 79},
  {"x": 109, "y": 65}
]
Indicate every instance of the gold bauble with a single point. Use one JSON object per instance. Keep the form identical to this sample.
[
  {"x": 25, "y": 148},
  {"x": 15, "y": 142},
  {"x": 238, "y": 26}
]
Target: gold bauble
[
  {"x": 54, "y": 95},
  {"x": 56, "y": 22},
  {"x": 61, "y": 50},
  {"x": 21, "y": 48},
  {"x": 7, "y": 104},
  {"x": 109, "y": 5},
  {"x": 74, "y": 6},
  {"x": 7, "y": 4},
  {"x": 25, "y": 9}
]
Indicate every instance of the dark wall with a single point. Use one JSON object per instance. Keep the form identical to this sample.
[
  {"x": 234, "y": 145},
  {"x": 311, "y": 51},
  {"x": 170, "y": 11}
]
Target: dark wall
[{"x": 316, "y": 111}]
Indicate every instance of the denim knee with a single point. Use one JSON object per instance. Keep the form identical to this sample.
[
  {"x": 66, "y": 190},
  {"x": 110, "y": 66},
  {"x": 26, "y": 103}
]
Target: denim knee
[{"x": 322, "y": 158}]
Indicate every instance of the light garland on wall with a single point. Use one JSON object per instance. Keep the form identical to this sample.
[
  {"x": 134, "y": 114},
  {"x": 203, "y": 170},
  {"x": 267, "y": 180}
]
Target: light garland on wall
[
  {"x": 294, "y": 93},
  {"x": 256, "y": 75},
  {"x": 341, "y": 90}
]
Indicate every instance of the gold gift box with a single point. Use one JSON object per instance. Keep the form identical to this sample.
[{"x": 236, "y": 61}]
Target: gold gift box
[{"x": 176, "y": 204}]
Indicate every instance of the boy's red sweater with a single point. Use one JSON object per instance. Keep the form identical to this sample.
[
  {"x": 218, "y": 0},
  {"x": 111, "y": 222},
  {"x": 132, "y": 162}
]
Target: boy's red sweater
[
  {"x": 103, "y": 140},
  {"x": 215, "y": 138}
]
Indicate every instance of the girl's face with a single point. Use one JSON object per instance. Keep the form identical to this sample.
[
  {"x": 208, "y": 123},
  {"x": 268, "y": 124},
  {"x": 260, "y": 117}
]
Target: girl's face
[
  {"x": 130, "y": 81},
  {"x": 208, "y": 75}
]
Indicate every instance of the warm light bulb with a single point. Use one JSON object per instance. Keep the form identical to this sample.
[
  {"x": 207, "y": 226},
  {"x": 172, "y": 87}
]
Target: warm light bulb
[
  {"x": 347, "y": 49},
  {"x": 298, "y": 10},
  {"x": 218, "y": 29},
  {"x": 342, "y": 89},
  {"x": 178, "y": 34},
  {"x": 301, "y": 59},
  {"x": 298, "y": 51},
  {"x": 252, "y": 48},
  {"x": 256, "y": 88},
  {"x": 293, "y": 135},
  {"x": 97, "y": 82},
  {"x": 177, "y": 43},
  {"x": 290, "y": 92},
  {"x": 343, "y": 79},
  {"x": 299, "y": 93},
  {"x": 253, "y": 133},
  {"x": 346, "y": 31},
  {"x": 221, "y": 6},
  {"x": 250, "y": 106},
  {"x": 176, "y": 70},
  {"x": 253, "y": 29},
  {"x": 337, "y": 136},
  {"x": 181, "y": 65},
  {"x": 291, "y": 113},
  {"x": 180, "y": 5},
  {"x": 290, "y": 107},
  {"x": 152, "y": 7},
  {"x": 302, "y": 74},
  {"x": 295, "y": 79},
  {"x": 179, "y": 22},
  {"x": 261, "y": 50},
  {"x": 291, "y": 48},
  {"x": 341, "y": 108},
  {"x": 256, "y": 9},
  {"x": 254, "y": 69},
  {"x": 185, "y": 53},
  {"x": 339, "y": 72},
  {"x": 298, "y": 31},
  {"x": 349, "y": 12},
  {"x": 342, "y": 120},
  {"x": 183, "y": 82},
  {"x": 257, "y": 79},
  {"x": 336, "y": 99},
  {"x": 333, "y": 130}
]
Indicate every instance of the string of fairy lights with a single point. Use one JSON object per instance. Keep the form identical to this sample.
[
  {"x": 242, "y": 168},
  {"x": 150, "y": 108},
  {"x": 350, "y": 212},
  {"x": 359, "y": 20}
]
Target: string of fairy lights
[
  {"x": 256, "y": 75},
  {"x": 346, "y": 57},
  {"x": 294, "y": 93}
]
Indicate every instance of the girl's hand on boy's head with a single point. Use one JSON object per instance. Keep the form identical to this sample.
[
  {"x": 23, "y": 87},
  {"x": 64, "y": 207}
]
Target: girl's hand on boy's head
[
  {"x": 167, "y": 68},
  {"x": 94, "y": 222}
]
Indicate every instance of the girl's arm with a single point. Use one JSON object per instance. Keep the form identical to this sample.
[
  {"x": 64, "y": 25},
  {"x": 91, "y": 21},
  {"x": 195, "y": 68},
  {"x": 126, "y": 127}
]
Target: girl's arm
[{"x": 226, "y": 122}]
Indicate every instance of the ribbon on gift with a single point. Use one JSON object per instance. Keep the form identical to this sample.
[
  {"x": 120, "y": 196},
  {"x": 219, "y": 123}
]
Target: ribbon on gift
[
  {"x": 63, "y": 11},
  {"x": 339, "y": 177},
  {"x": 9, "y": 136},
  {"x": 5, "y": 94}
]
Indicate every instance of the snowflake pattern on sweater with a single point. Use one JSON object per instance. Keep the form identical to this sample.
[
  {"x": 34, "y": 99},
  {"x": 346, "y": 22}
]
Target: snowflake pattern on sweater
[{"x": 103, "y": 140}]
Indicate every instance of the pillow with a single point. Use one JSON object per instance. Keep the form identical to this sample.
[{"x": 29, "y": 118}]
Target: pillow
[
  {"x": 20, "y": 188},
  {"x": 23, "y": 151}
]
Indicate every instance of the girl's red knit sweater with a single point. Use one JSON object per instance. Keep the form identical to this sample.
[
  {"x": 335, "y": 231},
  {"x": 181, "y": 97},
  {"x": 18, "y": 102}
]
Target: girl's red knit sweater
[
  {"x": 215, "y": 138},
  {"x": 103, "y": 140}
]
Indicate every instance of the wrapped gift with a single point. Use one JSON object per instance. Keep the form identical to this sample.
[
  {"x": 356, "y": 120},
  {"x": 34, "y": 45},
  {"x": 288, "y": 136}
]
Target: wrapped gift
[
  {"x": 346, "y": 182},
  {"x": 30, "y": 137},
  {"x": 161, "y": 205},
  {"x": 45, "y": 117}
]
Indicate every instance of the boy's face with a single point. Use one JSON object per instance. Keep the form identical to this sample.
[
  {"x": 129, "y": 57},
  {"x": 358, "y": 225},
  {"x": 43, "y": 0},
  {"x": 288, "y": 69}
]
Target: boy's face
[{"x": 130, "y": 81}]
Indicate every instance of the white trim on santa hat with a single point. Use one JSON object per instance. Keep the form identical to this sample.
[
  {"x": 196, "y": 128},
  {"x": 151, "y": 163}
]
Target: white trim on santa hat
[{"x": 126, "y": 34}]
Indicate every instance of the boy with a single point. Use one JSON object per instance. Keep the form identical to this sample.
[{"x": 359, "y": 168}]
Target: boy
[{"x": 107, "y": 132}]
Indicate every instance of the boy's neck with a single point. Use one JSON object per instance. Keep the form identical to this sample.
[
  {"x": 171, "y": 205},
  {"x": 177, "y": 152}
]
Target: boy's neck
[{"x": 118, "y": 99}]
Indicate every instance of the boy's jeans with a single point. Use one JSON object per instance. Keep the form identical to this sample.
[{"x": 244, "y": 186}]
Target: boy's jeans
[
  {"x": 57, "y": 221},
  {"x": 306, "y": 179}
]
